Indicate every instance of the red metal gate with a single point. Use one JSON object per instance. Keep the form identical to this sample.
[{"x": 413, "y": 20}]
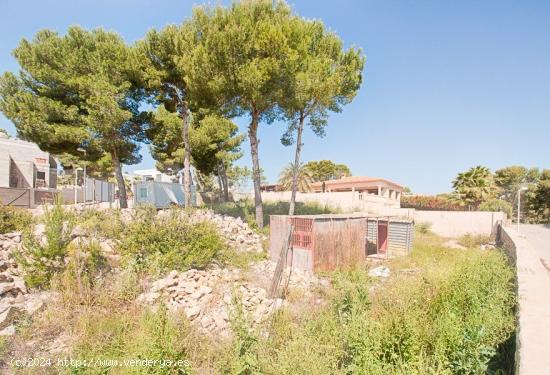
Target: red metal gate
[
  {"x": 382, "y": 237},
  {"x": 302, "y": 236}
]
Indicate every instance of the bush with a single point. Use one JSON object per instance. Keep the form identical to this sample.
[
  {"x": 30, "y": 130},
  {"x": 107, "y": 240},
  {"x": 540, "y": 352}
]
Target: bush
[
  {"x": 105, "y": 224},
  {"x": 475, "y": 240},
  {"x": 39, "y": 258},
  {"x": 159, "y": 244},
  {"x": 496, "y": 205},
  {"x": 131, "y": 335},
  {"x": 14, "y": 219},
  {"x": 448, "y": 316},
  {"x": 246, "y": 211},
  {"x": 243, "y": 356},
  {"x": 423, "y": 228},
  {"x": 430, "y": 203},
  {"x": 84, "y": 268}
]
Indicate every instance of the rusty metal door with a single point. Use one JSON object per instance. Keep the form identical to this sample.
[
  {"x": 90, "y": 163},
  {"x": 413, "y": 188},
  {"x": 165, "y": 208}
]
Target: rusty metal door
[{"x": 382, "y": 237}]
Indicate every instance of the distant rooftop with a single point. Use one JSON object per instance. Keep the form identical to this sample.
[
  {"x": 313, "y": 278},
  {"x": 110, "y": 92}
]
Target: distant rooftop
[{"x": 358, "y": 182}]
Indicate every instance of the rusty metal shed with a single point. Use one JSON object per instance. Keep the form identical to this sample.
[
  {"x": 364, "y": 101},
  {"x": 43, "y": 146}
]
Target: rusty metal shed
[{"x": 329, "y": 242}]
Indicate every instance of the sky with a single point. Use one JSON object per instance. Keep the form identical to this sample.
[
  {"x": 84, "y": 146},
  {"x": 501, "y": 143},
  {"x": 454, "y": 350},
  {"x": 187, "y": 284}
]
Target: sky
[{"x": 447, "y": 85}]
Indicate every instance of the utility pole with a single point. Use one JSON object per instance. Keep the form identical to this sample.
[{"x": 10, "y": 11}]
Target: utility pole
[{"x": 519, "y": 204}]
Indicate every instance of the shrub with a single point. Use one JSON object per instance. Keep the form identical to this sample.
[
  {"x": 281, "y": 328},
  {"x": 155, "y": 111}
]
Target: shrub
[
  {"x": 423, "y": 228},
  {"x": 474, "y": 240},
  {"x": 448, "y": 316},
  {"x": 243, "y": 356},
  {"x": 245, "y": 210},
  {"x": 430, "y": 203},
  {"x": 105, "y": 224},
  {"x": 14, "y": 219},
  {"x": 84, "y": 268},
  {"x": 131, "y": 335},
  {"x": 43, "y": 258},
  {"x": 159, "y": 244},
  {"x": 496, "y": 205}
]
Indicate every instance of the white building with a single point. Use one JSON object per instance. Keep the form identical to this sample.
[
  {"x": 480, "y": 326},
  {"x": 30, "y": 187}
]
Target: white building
[
  {"x": 24, "y": 165},
  {"x": 154, "y": 175}
]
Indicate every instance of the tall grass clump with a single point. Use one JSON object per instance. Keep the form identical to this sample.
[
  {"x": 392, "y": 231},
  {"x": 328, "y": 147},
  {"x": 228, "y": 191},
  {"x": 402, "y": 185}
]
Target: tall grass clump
[
  {"x": 158, "y": 244},
  {"x": 41, "y": 258},
  {"x": 104, "y": 224},
  {"x": 14, "y": 219},
  {"x": 245, "y": 209},
  {"x": 475, "y": 240},
  {"x": 448, "y": 313},
  {"x": 129, "y": 336}
]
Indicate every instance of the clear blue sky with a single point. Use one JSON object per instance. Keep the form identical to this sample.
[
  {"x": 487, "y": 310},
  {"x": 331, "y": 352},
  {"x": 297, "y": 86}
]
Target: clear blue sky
[{"x": 447, "y": 85}]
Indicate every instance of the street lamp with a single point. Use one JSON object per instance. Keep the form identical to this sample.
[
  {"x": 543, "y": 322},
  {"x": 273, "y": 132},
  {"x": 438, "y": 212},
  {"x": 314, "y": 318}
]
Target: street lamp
[
  {"x": 80, "y": 149},
  {"x": 524, "y": 188}
]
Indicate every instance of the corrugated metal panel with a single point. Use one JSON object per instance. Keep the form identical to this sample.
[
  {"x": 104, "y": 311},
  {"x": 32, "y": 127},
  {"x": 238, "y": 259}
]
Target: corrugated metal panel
[{"x": 400, "y": 238}]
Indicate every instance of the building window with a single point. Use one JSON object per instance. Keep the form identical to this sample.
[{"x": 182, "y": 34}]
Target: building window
[
  {"x": 143, "y": 193},
  {"x": 361, "y": 195},
  {"x": 40, "y": 179}
]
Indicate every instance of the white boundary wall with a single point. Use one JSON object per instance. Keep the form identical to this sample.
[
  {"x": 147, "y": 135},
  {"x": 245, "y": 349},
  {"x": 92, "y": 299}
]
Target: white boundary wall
[
  {"x": 343, "y": 201},
  {"x": 443, "y": 223},
  {"x": 459, "y": 223}
]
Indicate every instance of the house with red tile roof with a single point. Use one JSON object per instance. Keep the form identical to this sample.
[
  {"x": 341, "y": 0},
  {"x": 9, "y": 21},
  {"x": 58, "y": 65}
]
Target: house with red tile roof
[{"x": 361, "y": 184}]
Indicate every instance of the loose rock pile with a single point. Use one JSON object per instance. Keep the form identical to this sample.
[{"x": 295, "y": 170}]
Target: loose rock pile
[
  {"x": 305, "y": 281},
  {"x": 237, "y": 233},
  {"x": 15, "y": 299},
  {"x": 205, "y": 296}
]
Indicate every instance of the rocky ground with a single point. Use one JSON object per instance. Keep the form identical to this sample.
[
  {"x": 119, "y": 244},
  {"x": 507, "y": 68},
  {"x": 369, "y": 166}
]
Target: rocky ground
[
  {"x": 206, "y": 297},
  {"x": 15, "y": 299}
]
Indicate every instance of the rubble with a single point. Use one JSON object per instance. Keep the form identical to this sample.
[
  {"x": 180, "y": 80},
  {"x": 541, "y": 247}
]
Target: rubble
[
  {"x": 207, "y": 297},
  {"x": 236, "y": 232},
  {"x": 380, "y": 271},
  {"x": 15, "y": 298}
]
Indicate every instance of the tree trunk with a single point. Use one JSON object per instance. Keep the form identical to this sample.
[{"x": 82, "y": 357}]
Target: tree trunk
[
  {"x": 296, "y": 168},
  {"x": 122, "y": 197},
  {"x": 186, "y": 158},
  {"x": 256, "y": 173},
  {"x": 225, "y": 182},
  {"x": 220, "y": 183}
]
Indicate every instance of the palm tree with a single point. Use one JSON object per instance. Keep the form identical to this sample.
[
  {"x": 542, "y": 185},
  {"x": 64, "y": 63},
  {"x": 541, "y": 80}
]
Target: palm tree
[
  {"x": 304, "y": 178},
  {"x": 475, "y": 186}
]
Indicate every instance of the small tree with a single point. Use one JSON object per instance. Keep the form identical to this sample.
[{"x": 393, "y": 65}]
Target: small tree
[
  {"x": 324, "y": 170},
  {"x": 289, "y": 179},
  {"x": 475, "y": 186},
  {"x": 216, "y": 145},
  {"x": 510, "y": 179},
  {"x": 322, "y": 78},
  {"x": 538, "y": 200},
  {"x": 167, "y": 53},
  {"x": 239, "y": 66},
  {"x": 213, "y": 140},
  {"x": 78, "y": 91}
]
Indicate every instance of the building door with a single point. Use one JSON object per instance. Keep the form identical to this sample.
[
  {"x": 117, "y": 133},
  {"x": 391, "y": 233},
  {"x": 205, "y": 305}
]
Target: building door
[{"x": 382, "y": 237}]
